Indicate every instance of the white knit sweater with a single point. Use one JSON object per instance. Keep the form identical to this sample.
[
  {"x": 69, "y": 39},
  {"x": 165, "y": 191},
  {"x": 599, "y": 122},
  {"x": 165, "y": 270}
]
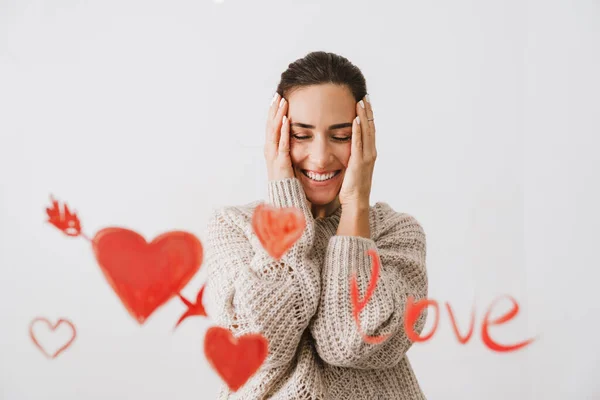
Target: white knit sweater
[{"x": 302, "y": 303}]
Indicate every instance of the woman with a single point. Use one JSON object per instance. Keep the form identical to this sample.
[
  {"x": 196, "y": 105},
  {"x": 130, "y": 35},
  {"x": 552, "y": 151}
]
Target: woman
[{"x": 320, "y": 153}]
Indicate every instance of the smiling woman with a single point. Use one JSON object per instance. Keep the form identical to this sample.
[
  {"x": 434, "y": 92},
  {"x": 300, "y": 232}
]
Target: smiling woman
[
  {"x": 321, "y": 119},
  {"x": 320, "y": 153}
]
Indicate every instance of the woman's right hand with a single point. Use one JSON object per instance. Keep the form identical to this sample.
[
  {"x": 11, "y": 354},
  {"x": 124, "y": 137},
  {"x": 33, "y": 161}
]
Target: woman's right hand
[{"x": 277, "y": 143}]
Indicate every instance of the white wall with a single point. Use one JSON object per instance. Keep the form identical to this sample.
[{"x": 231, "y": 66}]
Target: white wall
[{"x": 148, "y": 114}]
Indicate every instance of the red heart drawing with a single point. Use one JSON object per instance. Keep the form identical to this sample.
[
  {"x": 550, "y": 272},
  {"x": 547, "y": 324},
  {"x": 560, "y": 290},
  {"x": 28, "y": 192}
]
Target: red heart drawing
[
  {"x": 235, "y": 359},
  {"x": 146, "y": 275},
  {"x": 278, "y": 229},
  {"x": 53, "y": 329}
]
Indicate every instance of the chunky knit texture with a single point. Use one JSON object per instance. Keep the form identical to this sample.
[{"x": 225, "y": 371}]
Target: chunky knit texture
[{"x": 302, "y": 302}]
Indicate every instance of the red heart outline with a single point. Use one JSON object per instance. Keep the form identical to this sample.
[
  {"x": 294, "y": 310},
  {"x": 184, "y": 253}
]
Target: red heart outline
[
  {"x": 52, "y": 328},
  {"x": 146, "y": 275},
  {"x": 278, "y": 229},
  {"x": 235, "y": 359}
]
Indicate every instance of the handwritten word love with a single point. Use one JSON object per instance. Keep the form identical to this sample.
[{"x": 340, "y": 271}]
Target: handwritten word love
[{"x": 414, "y": 309}]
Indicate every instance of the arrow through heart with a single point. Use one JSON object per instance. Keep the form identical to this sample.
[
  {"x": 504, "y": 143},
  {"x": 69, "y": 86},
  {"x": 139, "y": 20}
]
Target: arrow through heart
[
  {"x": 143, "y": 275},
  {"x": 146, "y": 275}
]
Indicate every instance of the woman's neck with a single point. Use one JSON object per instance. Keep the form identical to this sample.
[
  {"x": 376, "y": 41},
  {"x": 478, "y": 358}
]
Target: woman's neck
[{"x": 324, "y": 211}]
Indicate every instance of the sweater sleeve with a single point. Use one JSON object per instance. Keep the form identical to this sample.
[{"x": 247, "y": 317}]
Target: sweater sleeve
[
  {"x": 248, "y": 291},
  {"x": 401, "y": 246}
]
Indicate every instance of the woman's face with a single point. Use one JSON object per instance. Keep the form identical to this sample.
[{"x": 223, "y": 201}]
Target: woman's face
[{"x": 320, "y": 138}]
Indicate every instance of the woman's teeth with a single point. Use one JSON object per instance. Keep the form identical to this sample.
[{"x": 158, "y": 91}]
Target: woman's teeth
[{"x": 320, "y": 177}]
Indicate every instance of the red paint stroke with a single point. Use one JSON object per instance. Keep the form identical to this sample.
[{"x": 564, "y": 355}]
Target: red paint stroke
[
  {"x": 278, "y": 229},
  {"x": 143, "y": 275},
  {"x": 234, "y": 359},
  {"x": 53, "y": 329},
  {"x": 146, "y": 275},
  {"x": 412, "y": 313},
  {"x": 414, "y": 309},
  {"x": 359, "y": 305},
  {"x": 63, "y": 218},
  {"x": 193, "y": 309},
  {"x": 461, "y": 339},
  {"x": 485, "y": 336}
]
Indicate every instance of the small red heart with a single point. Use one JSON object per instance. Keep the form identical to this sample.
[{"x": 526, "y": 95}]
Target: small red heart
[
  {"x": 53, "y": 329},
  {"x": 235, "y": 359},
  {"x": 146, "y": 275},
  {"x": 278, "y": 229}
]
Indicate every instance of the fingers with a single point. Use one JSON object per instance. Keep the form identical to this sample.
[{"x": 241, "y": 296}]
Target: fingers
[
  {"x": 362, "y": 126},
  {"x": 277, "y": 110},
  {"x": 282, "y": 107},
  {"x": 365, "y": 112},
  {"x": 356, "y": 147},
  {"x": 270, "y": 138},
  {"x": 277, "y": 147},
  {"x": 369, "y": 109},
  {"x": 284, "y": 141},
  {"x": 371, "y": 149},
  {"x": 274, "y": 105}
]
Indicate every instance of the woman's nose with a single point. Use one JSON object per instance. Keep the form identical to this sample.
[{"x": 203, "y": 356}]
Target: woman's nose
[{"x": 321, "y": 153}]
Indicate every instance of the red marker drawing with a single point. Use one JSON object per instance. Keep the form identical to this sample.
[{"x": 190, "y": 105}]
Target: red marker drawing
[
  {"x": 358, "y": 305},
  {"x": 144, "y": 275},
  {"x": 278, "y": 229},
  {"x": 196, "y": 308},
  {"x": 53, "y": 328}
]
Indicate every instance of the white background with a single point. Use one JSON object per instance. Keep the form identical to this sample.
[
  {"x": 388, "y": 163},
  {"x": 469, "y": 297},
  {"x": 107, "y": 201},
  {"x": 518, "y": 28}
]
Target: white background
[{"x": 148, "y": 114}]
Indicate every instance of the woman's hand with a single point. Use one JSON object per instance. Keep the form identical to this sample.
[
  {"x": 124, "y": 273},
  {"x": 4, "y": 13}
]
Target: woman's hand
[
  {"x": 356, "y": 187},
  {"x": 277, "y": 143}
]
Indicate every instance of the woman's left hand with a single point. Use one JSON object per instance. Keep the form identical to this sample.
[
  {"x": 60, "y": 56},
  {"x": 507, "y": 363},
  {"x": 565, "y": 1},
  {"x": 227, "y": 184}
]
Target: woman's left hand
[{"x": 356, "y": 187}]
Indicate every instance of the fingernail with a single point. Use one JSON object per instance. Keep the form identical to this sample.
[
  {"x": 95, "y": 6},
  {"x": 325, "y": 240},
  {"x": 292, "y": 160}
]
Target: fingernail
[
  {"x": 358, "y": 119},
  {"x": 368, "y": 99},
  {"x": 284, "y": 119},
  {"x": 362, "y": 104},
  {"x": 273, "y": 99},
  {"x": 281, "y": 102}
]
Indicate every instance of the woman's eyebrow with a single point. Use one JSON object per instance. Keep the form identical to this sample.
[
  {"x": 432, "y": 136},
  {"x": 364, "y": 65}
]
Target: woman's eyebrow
[{"x": 332, "y": 127}]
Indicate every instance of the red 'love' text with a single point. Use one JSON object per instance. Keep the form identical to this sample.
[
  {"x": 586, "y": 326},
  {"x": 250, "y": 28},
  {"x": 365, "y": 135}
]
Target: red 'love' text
[{"x": 414, "y": 309}]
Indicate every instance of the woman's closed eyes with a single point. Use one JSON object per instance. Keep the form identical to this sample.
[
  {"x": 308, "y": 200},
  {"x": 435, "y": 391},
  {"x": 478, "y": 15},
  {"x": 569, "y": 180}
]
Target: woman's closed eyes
[{"x": 336, "y": 138}]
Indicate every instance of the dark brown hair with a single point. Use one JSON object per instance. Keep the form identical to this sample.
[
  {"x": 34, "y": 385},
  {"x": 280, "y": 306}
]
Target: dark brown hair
[{"x": 319, "y": 67}]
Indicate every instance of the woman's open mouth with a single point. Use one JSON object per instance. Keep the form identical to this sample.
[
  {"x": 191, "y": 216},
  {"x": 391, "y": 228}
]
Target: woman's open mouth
[{"x": 321, "y": 179}]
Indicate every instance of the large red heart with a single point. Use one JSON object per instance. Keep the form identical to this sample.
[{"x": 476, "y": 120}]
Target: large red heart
[
  {"x": 146, "y": 275},
  {"x": 278, "y": 229},
  {"x": 53, "y": 329},
  {"x": 235, "y": 359}
]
